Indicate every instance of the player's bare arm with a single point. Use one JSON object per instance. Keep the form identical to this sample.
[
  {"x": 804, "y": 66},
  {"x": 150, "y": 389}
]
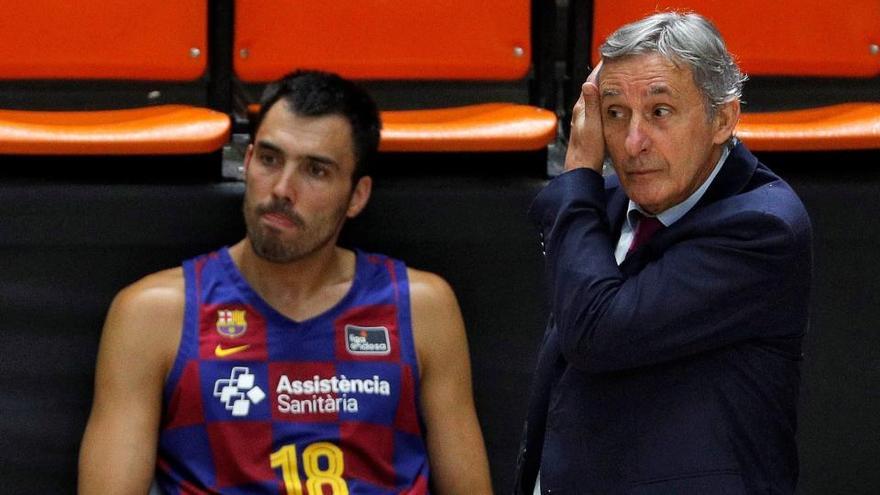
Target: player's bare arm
[
  {"x": 455, "y": 442},
  {"x": 138, "y": 345}
]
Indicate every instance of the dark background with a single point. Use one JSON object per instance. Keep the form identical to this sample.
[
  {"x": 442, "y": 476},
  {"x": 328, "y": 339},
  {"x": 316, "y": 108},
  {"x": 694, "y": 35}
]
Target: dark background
[{"x": 66, "y": 247}]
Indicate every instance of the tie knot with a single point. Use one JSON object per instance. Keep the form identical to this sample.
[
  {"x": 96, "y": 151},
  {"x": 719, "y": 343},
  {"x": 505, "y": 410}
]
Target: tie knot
[{"x": 645, "y": 229}]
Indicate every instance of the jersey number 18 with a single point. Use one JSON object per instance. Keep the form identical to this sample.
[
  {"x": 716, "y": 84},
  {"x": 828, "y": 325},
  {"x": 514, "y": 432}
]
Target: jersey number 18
[{"x": 317, "y": 477}]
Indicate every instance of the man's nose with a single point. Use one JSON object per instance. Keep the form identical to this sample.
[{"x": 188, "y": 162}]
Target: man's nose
[
  {"x": 637, "y": 140},
  {"x": 286, "y": 182}
]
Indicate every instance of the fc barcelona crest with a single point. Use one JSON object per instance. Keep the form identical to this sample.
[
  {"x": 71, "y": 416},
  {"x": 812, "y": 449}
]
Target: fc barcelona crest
[{"x": 231, "y": 322}]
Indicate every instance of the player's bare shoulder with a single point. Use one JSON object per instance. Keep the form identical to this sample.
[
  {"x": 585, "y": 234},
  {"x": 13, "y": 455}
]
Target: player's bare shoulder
[
  {"x": 158, "y": 292},
  {"x": 438, "y": 327},
  {"x": 430, "y": 293},
  {"x": 147, "y": 316}
]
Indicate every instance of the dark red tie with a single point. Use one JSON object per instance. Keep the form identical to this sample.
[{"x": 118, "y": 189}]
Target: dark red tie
[{"x": 646, "y": 228}]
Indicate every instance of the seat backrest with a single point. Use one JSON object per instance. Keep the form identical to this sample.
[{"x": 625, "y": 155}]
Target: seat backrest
[
  {"x": 115, "y": 40},
  {"x": 806, "y": 38},
  {"x": 390, "y": 40}
]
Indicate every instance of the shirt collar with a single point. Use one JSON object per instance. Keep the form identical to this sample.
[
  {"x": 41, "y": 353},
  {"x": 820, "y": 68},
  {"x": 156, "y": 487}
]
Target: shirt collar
[{"x": 674, "y": 213}]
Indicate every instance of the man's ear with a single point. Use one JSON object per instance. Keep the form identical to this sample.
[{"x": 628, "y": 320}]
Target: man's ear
[
  {"x": 248, "y": 154},
  {"x": 726, "y": 117},
  {"x": 360, "y": 195}
]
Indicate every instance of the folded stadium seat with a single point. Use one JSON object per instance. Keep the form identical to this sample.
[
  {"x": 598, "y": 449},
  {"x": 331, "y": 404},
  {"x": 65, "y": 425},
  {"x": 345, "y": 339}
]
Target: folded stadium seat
[
  {"x": 415, "y": 41},
  {"x": 471, "y": 128},
  {"x": 817, "y": 39},
  {"x": 80, "y": 45}
]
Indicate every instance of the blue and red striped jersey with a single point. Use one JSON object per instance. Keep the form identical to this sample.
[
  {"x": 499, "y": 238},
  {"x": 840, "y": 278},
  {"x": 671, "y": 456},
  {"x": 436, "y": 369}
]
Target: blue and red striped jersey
[{"x": 259, "y": 403}]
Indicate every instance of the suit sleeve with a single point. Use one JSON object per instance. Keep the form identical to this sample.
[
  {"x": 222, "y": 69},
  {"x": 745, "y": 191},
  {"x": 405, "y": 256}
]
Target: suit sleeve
[{"x": 730, "y": 283}]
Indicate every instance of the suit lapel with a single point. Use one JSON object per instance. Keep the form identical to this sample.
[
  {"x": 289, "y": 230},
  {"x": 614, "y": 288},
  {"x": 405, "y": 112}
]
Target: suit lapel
[
  {"x": 617, "y": 203},
  {"x": 617, "y": 206},
  {"x": 733, "y": 177}
]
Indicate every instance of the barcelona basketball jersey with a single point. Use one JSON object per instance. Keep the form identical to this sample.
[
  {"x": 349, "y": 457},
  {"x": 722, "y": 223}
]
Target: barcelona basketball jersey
[{"x": 259, "y": 403}]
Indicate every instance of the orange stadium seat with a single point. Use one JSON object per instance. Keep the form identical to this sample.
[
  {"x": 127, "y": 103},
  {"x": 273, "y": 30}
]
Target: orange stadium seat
[
  {"x": 814, "y": 39},
  {"x": 452, "y": 40},
  {"x": 136, "y": 40},
  {"x": 847, "y": 126},
  {"x": 488, "y": 127},
  {"x": 158, "y": 130},
  {"x": 415, "y": 39}
]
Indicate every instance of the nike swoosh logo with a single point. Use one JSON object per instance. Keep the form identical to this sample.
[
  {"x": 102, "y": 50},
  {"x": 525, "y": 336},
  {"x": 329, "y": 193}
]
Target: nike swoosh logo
[{"x": 219, "y": 351}]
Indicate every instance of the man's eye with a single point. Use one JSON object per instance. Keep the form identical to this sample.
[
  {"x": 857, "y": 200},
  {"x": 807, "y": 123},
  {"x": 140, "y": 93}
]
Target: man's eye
[
  {"x": 662, "y": 112},
  {"x": 317, "y": 169},
  {"x": 614, "y": 113},
  {"x": 268, "y": 159}
]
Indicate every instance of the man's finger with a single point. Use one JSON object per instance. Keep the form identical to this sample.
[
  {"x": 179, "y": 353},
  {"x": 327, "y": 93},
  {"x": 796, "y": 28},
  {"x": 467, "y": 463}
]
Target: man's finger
[
  {"x": 590, "y": 89},
  {"x": 578, "y": 110},
  {"x": 594, "y": 74},
  {"x": 590, "y": 97}
]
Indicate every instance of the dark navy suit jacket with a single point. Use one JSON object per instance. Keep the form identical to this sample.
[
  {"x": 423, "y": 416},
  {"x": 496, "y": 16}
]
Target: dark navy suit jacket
[{"x": 676, "y": 372}]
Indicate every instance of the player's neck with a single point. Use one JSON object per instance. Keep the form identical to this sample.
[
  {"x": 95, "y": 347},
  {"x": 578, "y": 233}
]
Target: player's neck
[{"x": 302, "y": 288}]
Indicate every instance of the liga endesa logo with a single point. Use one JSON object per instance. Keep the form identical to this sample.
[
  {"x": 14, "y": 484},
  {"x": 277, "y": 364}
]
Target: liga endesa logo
[{"x": 372, "y": 341}]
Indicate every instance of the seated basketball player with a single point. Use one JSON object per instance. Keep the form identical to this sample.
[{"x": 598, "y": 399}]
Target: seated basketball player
[{"x": 284, "y": 363}]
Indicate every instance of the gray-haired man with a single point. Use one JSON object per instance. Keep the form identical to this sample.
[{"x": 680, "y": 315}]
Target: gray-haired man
[{"x": 679, "y": 287}]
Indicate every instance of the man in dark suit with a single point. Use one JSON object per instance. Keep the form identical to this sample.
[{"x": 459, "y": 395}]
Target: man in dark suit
[{"x": 679, "y": 287}]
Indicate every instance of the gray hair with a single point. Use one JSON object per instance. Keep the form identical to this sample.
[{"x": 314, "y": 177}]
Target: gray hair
[{"x": 683, "y": 38}]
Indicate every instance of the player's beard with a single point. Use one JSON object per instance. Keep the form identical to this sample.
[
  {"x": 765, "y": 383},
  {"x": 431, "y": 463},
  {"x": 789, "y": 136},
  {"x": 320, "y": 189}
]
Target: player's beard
[{"x": 270, "y": 244}]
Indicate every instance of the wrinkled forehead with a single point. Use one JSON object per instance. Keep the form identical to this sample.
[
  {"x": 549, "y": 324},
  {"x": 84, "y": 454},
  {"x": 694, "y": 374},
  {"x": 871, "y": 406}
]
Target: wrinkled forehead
[{"x": 647, "y": 74}]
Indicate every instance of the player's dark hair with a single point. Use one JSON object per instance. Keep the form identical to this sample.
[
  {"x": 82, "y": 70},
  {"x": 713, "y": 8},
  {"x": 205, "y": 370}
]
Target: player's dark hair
[{"x": 314, "y": 93}]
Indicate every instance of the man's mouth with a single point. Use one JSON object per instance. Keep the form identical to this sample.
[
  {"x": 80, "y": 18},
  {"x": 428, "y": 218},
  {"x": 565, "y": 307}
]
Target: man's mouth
[
  {"x": 281, "y": 220},
  {"x": 641, "y": 173}
]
